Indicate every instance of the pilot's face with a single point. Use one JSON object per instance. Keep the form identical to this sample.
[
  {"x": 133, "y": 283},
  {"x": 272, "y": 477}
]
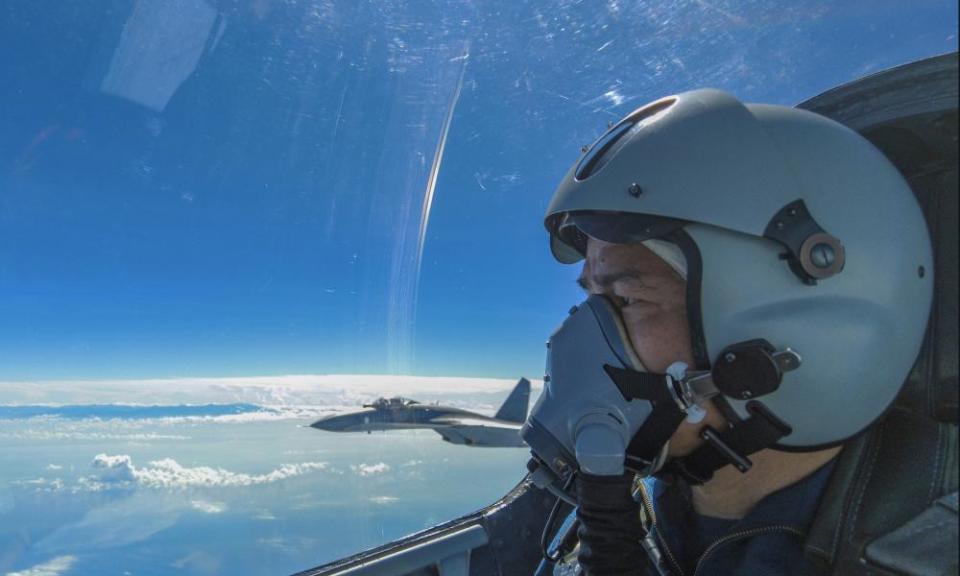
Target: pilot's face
[{"x": 651, "y": 298}]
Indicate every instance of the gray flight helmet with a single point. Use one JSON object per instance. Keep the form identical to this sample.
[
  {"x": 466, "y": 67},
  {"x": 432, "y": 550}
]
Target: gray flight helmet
[{"x": 796, "y": 231}]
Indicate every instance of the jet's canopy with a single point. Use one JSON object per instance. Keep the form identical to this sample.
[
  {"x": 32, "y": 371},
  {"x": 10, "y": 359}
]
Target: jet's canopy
[{"x": 395, "y": 402}]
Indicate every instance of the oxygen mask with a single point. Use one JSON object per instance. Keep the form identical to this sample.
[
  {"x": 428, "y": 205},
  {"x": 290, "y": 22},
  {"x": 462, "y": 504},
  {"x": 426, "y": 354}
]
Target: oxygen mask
[
  {"x": 601, "y": 412},
  {"x": 602, "y": 417}
]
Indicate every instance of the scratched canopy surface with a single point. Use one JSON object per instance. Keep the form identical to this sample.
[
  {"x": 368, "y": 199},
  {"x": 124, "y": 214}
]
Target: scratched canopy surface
[
  {"x": 235, "y": 187},
  {"x": 231, "y": 204}
]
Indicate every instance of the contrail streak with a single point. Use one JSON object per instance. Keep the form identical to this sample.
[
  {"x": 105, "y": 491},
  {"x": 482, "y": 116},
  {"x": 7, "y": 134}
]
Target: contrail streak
[{"x": 435, "y": 168}]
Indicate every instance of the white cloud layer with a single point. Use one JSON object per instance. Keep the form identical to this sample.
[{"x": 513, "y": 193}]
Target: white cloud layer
[
  {"x": 289, "y": 391},
  {"x": 54, "y": 567},
  {"x": 120, "y": 471},
  {"x": 73, "y": 435},
  {"x": 42, "y": 484},
  {"x": 371, "y": 469},
  {"x": 208, "y": 507}
]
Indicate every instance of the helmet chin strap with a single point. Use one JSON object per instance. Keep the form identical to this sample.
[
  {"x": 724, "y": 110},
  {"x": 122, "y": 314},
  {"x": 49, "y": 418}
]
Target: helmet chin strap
[
  {"x": 761, "y": 430},
  {"x": 677, "y": 396}
]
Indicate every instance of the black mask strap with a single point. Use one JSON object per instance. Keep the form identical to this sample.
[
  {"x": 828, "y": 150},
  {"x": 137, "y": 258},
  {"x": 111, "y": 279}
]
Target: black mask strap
[
  {"x": 761, "y": 430},
  {"x": 639, "y": 385},
  {"x": 646, "y": 444}
]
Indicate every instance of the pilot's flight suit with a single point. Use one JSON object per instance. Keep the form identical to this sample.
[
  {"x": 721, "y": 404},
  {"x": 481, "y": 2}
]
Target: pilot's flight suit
[{"x": 768, "y": 541}]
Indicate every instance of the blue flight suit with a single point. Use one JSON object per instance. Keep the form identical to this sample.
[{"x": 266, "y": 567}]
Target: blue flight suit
[{"x": 768, "y": 541}]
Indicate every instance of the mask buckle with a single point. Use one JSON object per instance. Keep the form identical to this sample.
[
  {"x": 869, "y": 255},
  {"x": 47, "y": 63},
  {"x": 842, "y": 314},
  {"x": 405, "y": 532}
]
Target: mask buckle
[{"x": 690, "y": 389}]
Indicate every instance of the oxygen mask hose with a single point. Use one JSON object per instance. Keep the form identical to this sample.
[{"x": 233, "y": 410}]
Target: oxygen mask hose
[
  {"x": 583, "y": 425},
  {"x": 610, "y": 527}
]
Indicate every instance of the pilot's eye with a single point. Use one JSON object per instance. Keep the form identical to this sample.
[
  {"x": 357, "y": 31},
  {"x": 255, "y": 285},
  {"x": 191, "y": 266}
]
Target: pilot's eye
[{"x": 624, "y": 301}]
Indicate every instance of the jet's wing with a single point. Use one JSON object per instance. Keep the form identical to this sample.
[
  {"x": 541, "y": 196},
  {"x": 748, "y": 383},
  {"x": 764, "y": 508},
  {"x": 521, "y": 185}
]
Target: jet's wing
[{"x": 479, "y": 432}]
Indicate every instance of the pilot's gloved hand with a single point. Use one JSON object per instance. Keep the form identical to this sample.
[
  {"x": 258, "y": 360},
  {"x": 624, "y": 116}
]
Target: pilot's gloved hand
[{"x": 610, "y": 529}]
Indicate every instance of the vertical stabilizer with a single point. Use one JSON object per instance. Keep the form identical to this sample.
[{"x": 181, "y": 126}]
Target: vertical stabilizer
[{"x": 514, "y": 409}]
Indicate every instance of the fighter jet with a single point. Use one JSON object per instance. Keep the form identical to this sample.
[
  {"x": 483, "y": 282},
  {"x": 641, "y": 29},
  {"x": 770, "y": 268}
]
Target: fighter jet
[{"x": 454, "y": 425}]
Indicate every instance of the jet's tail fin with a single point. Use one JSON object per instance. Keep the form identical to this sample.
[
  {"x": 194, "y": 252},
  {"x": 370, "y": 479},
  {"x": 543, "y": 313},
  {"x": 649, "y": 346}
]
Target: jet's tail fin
[{"x": 514, "y": 408}]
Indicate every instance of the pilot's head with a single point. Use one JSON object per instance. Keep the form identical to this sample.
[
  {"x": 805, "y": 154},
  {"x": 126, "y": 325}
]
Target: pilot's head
[{"x": 768, "y": 247}]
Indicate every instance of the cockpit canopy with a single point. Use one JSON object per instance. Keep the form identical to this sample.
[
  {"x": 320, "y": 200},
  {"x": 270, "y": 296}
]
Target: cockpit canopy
[{"x": 387, "y": 403}]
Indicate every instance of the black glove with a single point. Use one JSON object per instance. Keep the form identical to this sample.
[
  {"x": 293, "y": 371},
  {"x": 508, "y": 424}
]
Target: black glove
[{"x": 610, "y": 528}]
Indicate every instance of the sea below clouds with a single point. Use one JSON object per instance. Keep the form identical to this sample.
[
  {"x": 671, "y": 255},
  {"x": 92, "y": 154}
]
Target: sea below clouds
[{"x": 211, "y": 476}]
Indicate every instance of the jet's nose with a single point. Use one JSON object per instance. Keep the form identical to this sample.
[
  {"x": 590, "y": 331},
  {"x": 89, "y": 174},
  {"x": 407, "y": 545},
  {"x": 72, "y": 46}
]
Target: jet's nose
[{"x": 328, "y": 423}]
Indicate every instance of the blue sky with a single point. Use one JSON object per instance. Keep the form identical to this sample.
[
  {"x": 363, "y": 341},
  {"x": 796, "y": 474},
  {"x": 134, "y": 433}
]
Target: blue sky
[{"x": 257, "y": 211}]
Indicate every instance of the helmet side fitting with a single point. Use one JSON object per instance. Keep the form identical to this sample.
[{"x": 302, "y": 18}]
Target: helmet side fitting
[{"x": 712, "y": 175}]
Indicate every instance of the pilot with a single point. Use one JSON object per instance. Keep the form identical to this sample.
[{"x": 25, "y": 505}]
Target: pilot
[{"x": 768, "y": 268}]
